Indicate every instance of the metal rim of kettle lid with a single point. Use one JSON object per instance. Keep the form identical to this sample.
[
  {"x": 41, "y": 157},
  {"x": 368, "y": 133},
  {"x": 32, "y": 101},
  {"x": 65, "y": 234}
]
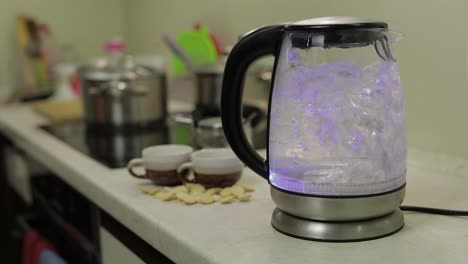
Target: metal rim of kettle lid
[{"x": 337, "y": 22}]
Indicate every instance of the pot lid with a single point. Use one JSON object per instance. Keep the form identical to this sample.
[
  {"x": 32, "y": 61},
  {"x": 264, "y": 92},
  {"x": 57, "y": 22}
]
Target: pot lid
[
  {"x": 216, "y": 68},
  {"x": 340, "y": 32},
  {"x": 124, "y": 70},
  {"x": 338, "y": 22},
  {"x": 211, "y": 123}
]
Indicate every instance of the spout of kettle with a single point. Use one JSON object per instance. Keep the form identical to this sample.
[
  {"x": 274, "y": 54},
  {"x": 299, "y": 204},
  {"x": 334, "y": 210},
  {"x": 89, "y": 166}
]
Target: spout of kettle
[
  {"x": 394, "y": 36},
  {"x": 383, "y": 45}
]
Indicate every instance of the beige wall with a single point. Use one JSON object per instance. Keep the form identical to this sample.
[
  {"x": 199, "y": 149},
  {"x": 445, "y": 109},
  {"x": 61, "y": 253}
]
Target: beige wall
[
  {"x": 84, "y": 25},
  {"x": 432, "y": 59}
]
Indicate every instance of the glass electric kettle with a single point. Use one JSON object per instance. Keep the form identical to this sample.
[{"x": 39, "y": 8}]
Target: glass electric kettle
[{"x": 336, "y": 146}]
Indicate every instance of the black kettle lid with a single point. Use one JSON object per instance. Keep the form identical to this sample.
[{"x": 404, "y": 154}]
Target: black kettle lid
[{"x": 341, "y": 32}]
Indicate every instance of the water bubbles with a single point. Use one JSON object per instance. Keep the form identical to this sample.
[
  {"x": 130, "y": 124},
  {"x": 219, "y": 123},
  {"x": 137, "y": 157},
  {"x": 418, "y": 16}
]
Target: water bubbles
[{"x": 340, "y": 126}]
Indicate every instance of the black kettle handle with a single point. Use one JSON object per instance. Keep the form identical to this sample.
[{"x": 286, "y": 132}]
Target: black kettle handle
[{"x": 254, "y": 45}]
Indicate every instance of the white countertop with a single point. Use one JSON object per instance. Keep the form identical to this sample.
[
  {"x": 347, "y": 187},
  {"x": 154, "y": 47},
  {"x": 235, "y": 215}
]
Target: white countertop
[{"x": 241, "y": 232}]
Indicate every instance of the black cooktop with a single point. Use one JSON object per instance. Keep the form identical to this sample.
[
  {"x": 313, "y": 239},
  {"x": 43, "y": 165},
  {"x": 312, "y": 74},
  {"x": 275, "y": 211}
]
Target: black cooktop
[
  {"x": 112, "y": 147},
  {"x": 115, "y": 146}
]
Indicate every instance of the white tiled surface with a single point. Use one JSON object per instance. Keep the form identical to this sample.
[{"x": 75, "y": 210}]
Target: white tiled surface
[{"x": 240, "y": 232}]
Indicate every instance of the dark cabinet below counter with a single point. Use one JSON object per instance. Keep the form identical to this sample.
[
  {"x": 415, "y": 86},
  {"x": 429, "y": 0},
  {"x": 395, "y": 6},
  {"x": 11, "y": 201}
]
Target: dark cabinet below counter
[{"x": 58, "y": 213}]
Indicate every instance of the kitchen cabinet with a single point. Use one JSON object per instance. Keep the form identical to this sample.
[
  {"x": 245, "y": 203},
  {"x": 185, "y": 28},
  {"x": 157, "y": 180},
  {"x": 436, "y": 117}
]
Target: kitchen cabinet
[{"x": 33, "y": 196}]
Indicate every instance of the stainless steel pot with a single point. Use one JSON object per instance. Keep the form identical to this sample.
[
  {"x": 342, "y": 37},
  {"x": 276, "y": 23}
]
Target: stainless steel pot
[
  {"x": 209, "y": 81},
  {"x": 123, "y": 94}
]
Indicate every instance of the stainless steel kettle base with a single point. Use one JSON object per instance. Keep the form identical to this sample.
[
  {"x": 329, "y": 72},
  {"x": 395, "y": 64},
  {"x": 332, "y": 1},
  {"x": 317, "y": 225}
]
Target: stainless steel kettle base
[{"x": 349, "y": 231}]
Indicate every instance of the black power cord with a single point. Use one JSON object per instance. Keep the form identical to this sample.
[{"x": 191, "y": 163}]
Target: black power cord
[{"x": 437, "y": 211}]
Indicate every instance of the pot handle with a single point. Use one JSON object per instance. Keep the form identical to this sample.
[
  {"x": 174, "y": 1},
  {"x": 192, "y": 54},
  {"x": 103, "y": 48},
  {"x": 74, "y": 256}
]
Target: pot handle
[{"x": 254, "y": 45}]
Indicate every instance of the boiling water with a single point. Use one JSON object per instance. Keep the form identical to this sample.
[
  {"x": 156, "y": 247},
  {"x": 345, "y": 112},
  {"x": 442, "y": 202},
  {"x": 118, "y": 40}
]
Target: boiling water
[{"x": 337, "y": 129}]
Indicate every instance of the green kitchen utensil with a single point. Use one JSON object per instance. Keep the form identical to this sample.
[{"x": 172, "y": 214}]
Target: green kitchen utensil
[{"x": 198, "y": 45}]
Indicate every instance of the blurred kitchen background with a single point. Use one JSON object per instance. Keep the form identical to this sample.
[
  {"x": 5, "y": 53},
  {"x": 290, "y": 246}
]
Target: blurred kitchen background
[{"x": 432, "y": 58}]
